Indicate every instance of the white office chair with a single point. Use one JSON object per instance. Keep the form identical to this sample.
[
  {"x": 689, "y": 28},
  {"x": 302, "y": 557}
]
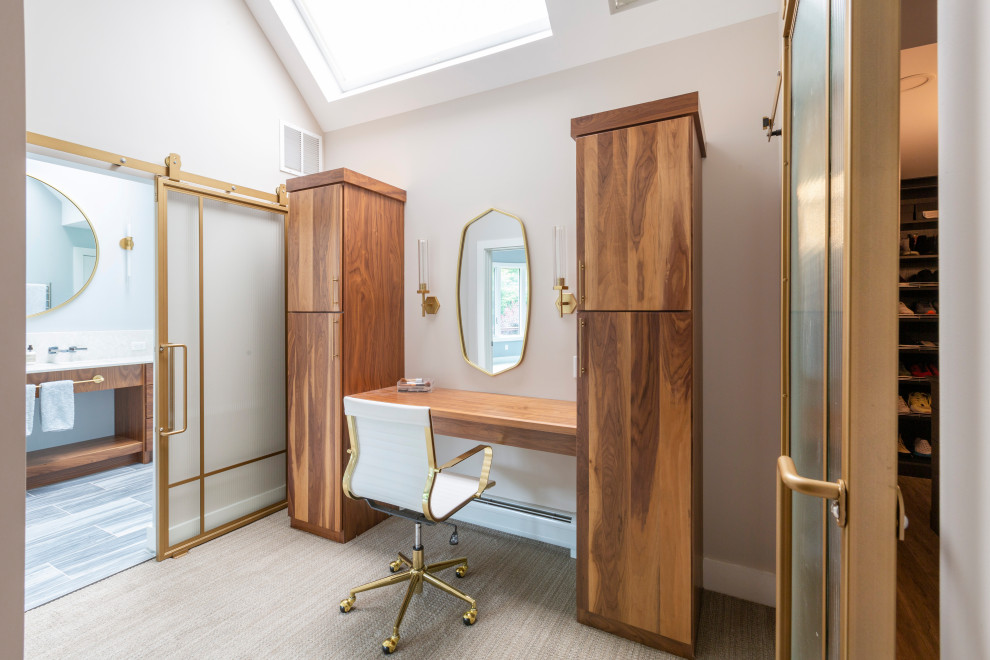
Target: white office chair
[{"x": 393, "y": 468}]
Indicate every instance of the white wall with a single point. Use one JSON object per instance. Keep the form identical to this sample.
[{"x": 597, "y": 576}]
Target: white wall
[
  {"x": 511, "y": 149},
  {"x": 964, "y": 243},
  {"x": 144, "y": 79},
  {"x": 112, "y": 301},
  {"x": 12, "y": 329}
]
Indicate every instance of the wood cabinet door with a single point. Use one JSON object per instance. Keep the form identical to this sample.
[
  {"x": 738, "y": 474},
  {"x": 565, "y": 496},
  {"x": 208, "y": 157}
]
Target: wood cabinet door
[
  {"x": 634, "y": 463},
  {"x": 634, "y": 206},
  {"x": 313, "y": 250},
  {"x": 314, "y": 418}
]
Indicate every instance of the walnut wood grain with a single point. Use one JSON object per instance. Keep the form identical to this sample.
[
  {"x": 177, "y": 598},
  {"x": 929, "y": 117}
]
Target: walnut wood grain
[
  {"x": 697, "y": 411},
  {"x": 313, "y": 417},
  {"x": 129, "y": 419},
  {"x": 685, "y": 105},
  {"x": 48, "y": 466},
  {"x": 127, "y": 375},
  {"x": 636, "y": 634},
  {"x": 542, "y": 424},
  {"x": 635, "y": 551},
  {"x": 343, "y": 175},
  {"x": 634, "y": 218},
  {"x": 313, "y": 231},
  {"x": 372, "y": 337}
]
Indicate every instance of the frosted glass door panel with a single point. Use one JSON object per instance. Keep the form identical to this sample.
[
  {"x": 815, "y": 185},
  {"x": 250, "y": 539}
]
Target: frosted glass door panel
[
  {"x": 243, "y": 334},
  {"x": 809, "y": 275},
  {"x": 183, "y": 512},
  {"x": 183, "y": 328},
  {"x": 243, "y": 490}
]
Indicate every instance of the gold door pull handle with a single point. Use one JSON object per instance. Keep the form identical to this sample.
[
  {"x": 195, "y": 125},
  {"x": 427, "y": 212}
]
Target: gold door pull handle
[
  {"x": 336, "y": 289},
  {"x": 185, "y": 390},
  {"x": 828, "y": 490},
  {"x": 580, "y": 348}
]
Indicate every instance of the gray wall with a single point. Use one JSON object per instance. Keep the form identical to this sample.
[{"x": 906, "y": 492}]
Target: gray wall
[
  {"x": 511, "y": 148},
  {"x": 12, "y": 329},
  {"x": 964, "y": 243}
]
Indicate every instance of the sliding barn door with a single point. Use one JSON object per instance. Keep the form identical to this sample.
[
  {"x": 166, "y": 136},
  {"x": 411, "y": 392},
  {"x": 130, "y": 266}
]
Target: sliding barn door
[{"x": 221, "y": 364}]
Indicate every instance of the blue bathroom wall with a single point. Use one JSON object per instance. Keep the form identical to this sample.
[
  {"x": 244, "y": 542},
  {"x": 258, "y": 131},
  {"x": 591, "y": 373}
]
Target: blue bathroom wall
[
  {"x": 111, "y": 201},
  {"x": 45, "y": 236},
  {"x": 93, "y": 419}
]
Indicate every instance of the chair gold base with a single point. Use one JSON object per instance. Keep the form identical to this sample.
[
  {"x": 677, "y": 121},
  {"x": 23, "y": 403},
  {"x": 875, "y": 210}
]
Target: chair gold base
[{"x": 417, "y": 575}]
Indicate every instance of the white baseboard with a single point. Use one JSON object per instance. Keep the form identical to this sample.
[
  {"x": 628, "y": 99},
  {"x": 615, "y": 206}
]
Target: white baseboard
[
  {"x": 523, "y": 524},
  {"x": 740, "y": 581}
]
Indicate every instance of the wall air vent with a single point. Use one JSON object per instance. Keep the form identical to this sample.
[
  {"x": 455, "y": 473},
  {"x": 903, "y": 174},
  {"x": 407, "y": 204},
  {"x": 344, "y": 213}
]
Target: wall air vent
[{"x": 301, "y": 151}]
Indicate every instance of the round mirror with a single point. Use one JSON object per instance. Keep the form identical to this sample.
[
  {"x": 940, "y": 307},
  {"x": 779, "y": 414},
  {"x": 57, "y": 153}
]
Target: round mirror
[
  {"x": 62, "y": 250},
  {"x": 493, "y": 291}
]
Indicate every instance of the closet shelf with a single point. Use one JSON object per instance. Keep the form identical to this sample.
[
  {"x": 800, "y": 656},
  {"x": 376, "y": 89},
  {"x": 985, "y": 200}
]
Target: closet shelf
[
  {"x": 916, "y": 379},
  {"x": 919, "y": 257},
  {"x": 914, "y": 415},
  {"x": 918, "y": 286},
  {"x": 918, "y": 224},
  {"x": 918, "y": 317},
  {"x": 911, "y": 348},
  {"x": 909, "y": 465}
]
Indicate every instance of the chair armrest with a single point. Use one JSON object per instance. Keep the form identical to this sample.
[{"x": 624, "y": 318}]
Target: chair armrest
[{"x": 486, "y": 466}]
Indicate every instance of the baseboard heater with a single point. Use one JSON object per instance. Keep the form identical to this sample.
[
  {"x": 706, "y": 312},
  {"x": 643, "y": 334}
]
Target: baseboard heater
[{"x": 523, "y": 519}]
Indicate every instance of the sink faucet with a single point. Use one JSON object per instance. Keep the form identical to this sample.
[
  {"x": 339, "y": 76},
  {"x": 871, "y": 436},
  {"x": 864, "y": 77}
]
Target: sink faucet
[{"x": 52, "y": 350}]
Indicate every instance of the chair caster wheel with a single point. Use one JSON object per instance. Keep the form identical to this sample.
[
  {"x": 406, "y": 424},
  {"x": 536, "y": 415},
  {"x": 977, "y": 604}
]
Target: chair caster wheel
[
  {"x": 461, "y": 570},
  {"x": 470, "y": 616},
  {"x": 346, "y": 605},
  {"x": 389, "y": 645},
  {"x": 395, "y": 566}
]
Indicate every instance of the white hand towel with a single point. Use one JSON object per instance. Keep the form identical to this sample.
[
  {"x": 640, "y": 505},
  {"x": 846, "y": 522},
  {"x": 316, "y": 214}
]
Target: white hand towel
[
  {"x": 57, "y": 406},
  {"x": 37, "y": 298},
  {"x": 29, "y": 391}
]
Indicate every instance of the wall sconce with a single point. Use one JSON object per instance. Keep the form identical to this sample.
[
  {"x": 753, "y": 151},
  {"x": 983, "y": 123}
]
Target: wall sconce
[
  {"x": 127, "y": 244},
  {"x": 430, "y": 304},
  {"x": 566, "y": 302}
]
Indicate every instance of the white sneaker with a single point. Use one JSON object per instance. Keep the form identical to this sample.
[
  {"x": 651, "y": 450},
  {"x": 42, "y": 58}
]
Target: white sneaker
[
  {"x": 904, "y": 310},
  {"x": 902, "y": 406},
  {"x": 922, "y": 448}
]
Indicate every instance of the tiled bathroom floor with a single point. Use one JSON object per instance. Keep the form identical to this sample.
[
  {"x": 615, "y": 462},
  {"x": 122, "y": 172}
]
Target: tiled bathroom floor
[{"x": 81, "y": 531}]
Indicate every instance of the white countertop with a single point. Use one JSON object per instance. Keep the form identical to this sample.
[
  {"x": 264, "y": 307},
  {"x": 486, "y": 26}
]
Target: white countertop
[{"x": 35, "y": 367}]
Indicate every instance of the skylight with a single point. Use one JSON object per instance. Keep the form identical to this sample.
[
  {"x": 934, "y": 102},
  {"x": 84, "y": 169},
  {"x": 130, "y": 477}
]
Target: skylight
[{"x": 371, "y": 41}]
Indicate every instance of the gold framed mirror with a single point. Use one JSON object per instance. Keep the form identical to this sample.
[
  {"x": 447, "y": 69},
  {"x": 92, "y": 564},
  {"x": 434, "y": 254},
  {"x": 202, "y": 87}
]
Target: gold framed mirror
[
  {"x": 493, "y": 292},
  {"x": 62, "y": 250}
]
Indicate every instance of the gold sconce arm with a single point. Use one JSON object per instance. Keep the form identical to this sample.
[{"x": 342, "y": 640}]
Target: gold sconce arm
[
  {"x": 430, "y": 303},
  {"x": 566, "y": 302}
]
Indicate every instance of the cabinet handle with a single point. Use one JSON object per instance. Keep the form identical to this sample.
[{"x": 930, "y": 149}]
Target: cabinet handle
[
  {"x": 336, "y": 287},
  {"x": 580, "y": 348},
  {"x": 581, "y": 282},
  {"x": 185, "y": 389},
  {"x": 333, "y": 342}
]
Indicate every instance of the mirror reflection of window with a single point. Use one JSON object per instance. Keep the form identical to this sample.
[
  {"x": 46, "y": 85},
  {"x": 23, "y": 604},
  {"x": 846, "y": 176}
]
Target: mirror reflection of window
[
  {"x": 62, "y": 251},
  {"x": 493, "y": 296}
]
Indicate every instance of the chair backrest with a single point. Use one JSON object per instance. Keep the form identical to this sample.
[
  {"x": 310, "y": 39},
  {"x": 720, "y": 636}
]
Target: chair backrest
[{"x": 394, "y": 446}]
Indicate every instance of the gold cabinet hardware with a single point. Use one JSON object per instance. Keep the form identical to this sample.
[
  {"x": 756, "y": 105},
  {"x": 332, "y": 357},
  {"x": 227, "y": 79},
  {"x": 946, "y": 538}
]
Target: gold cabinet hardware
[
  {"x": 829, "y": 490},
  {"x": 580, "y": 348},
  {"x": 185, "y": 389},
  {"x": 581, "y": 282},
  {"x": 333, "y": 341},
  {"x": 336, "y": 287}
]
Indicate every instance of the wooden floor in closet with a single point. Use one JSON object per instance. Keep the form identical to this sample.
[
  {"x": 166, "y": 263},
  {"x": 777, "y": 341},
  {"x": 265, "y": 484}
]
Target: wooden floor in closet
[{"x": 917, "y": 576}]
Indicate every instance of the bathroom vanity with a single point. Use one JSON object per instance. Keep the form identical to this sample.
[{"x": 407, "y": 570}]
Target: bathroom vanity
[{"x": 133, "y": 437}]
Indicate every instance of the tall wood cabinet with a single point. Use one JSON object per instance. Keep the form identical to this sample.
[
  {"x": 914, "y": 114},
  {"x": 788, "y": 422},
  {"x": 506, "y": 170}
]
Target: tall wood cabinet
[
  {"x": 344, "y": 333},
  {"x": 639, "y": 385}
]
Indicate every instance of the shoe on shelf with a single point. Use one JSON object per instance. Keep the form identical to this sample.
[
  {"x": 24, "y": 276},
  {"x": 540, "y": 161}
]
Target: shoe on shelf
[
  {"x": 924, "y": 307},
  {"x": 902, "y": 406},
  {"x": 920, "y": 244},
  {"x": 933, "y": 368},
  {"x": 922, "y": 276},
  {"x": 919, "y": 371},
  {"x": 902, "y": 371},
  {"x": 906, "y": 249},
  {"x": 927, "y": 343},
  {"x": 935, "y": 305},
  {"x": 901, "y": 448},
  {"x": 922, "y": 448},
  {"x": 904, "y": 310},
  {"x": 920, "y": 402}
]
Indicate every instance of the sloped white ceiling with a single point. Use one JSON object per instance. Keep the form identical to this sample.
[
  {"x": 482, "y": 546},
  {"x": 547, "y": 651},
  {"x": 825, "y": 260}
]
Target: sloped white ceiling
[{"x": 583, "y": 31}]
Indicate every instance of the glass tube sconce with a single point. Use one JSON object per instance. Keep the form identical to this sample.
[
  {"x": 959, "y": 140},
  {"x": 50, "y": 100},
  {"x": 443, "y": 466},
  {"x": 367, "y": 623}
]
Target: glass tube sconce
[
  {"x": 127, "y": 244},
  {"x": 430, "y": 304},
  {"x": 566, "y": 302}
]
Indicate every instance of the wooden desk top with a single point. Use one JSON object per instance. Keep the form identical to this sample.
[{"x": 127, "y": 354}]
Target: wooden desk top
[{"x": 519, "y": 421}]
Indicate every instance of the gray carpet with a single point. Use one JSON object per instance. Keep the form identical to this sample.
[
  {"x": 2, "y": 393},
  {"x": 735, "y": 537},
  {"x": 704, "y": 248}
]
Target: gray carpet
[{"x": 268, "y": 591}]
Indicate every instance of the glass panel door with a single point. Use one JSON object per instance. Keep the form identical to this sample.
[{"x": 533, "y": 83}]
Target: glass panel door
[{"x": 221, "y": 408}]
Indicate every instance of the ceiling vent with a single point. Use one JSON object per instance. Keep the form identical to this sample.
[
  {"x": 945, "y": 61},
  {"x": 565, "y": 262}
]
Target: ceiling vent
[{"x": 302, "y": 151}]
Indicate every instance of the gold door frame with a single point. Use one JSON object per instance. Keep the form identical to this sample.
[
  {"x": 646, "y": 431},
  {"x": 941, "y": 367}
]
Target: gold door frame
[
  {"x": 167, "y": 381},
  {"x": 869, "y": 334}
]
